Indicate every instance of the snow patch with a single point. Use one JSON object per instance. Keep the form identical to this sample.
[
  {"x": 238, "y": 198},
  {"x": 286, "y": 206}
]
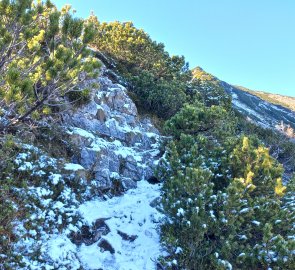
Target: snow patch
[
  {"x": 130, "y": 214},
  {"x": 73, "y": 167}
]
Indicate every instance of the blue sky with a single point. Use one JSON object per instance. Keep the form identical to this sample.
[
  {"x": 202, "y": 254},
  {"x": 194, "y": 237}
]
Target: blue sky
[{"x": 244, "y": 42}]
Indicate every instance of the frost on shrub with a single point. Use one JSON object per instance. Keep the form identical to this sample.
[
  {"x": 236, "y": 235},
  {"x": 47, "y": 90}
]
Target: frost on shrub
[
  {"x": 35, "y": 200},
  {"x": 224, "y": 213}
]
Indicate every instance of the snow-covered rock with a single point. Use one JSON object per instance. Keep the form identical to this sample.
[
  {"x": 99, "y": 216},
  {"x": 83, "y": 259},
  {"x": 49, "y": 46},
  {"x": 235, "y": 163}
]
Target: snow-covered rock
[{"x": 112, "y": 138}]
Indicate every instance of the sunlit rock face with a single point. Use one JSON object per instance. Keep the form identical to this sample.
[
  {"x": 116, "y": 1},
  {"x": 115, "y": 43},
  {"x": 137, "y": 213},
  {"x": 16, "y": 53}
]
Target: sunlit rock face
[{"x": 114, "y": 142}]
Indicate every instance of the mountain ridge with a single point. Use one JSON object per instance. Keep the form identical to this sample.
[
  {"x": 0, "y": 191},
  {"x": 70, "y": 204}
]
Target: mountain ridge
[
  {"x": 274, "y": 98},
  {"x": 257, "y": 107},
  {"x": 285, "y": 100}
]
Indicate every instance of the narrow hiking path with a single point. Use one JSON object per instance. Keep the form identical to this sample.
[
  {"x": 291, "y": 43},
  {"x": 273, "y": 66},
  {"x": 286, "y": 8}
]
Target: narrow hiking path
[
  {"x": 81, "y": 223},
  {"x": 128, "y": 232}
]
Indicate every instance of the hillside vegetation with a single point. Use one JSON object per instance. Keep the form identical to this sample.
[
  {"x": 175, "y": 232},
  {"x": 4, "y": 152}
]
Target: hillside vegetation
[
  {"x": 41, "y": 52},
  {"x": 223, "y": 196}
]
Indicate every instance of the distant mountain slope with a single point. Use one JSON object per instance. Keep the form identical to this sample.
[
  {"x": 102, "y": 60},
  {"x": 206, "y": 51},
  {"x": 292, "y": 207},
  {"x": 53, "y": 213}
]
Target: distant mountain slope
[
  {"x": 267, "y": 110},
  {"x": 285, "y": 101}
]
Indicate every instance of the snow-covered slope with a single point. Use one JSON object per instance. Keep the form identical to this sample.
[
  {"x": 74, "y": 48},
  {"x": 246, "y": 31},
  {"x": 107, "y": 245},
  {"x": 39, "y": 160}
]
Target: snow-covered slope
[
  {"x": 126, "y": 231},
  {"x": 97, "y": 210},
  {"x": 260, "y": 111}
]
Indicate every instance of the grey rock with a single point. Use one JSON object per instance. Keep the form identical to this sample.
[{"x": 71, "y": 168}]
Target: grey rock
[
  {"x": 128, "y": 183},
  {"x": 88, "y": 235},
  {"x": 156, "y": 202},
  {"x": 127, "y": 237},
  {"x": 88, "y": 157},
  {"x": 106, "y": 246},
  {"x": 121, "y": 143}
]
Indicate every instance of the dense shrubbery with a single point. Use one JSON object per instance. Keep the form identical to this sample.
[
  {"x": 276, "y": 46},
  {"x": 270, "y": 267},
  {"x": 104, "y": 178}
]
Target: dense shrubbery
[
  {"x": 196, "y": 118},
  {"x": 161, "y": 82},
  {"x": 8, "y": 211},
  {"x": 43, "y": 53},
  {"x": 32, "y": 181},
  {"x": 209, "y": 90},
  {"x": 223, "y": 196},
  {"x": 280, "y": 146}
]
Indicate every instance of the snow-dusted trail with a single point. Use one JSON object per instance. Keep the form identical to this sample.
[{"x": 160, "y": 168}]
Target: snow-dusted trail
[
  {"x": 73, "y": 227},
  {"x": 133, "y": 233}
]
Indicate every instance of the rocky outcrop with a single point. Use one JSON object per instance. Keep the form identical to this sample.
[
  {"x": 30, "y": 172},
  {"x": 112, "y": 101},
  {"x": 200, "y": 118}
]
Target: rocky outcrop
[{"x": 116, "y": 145}]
